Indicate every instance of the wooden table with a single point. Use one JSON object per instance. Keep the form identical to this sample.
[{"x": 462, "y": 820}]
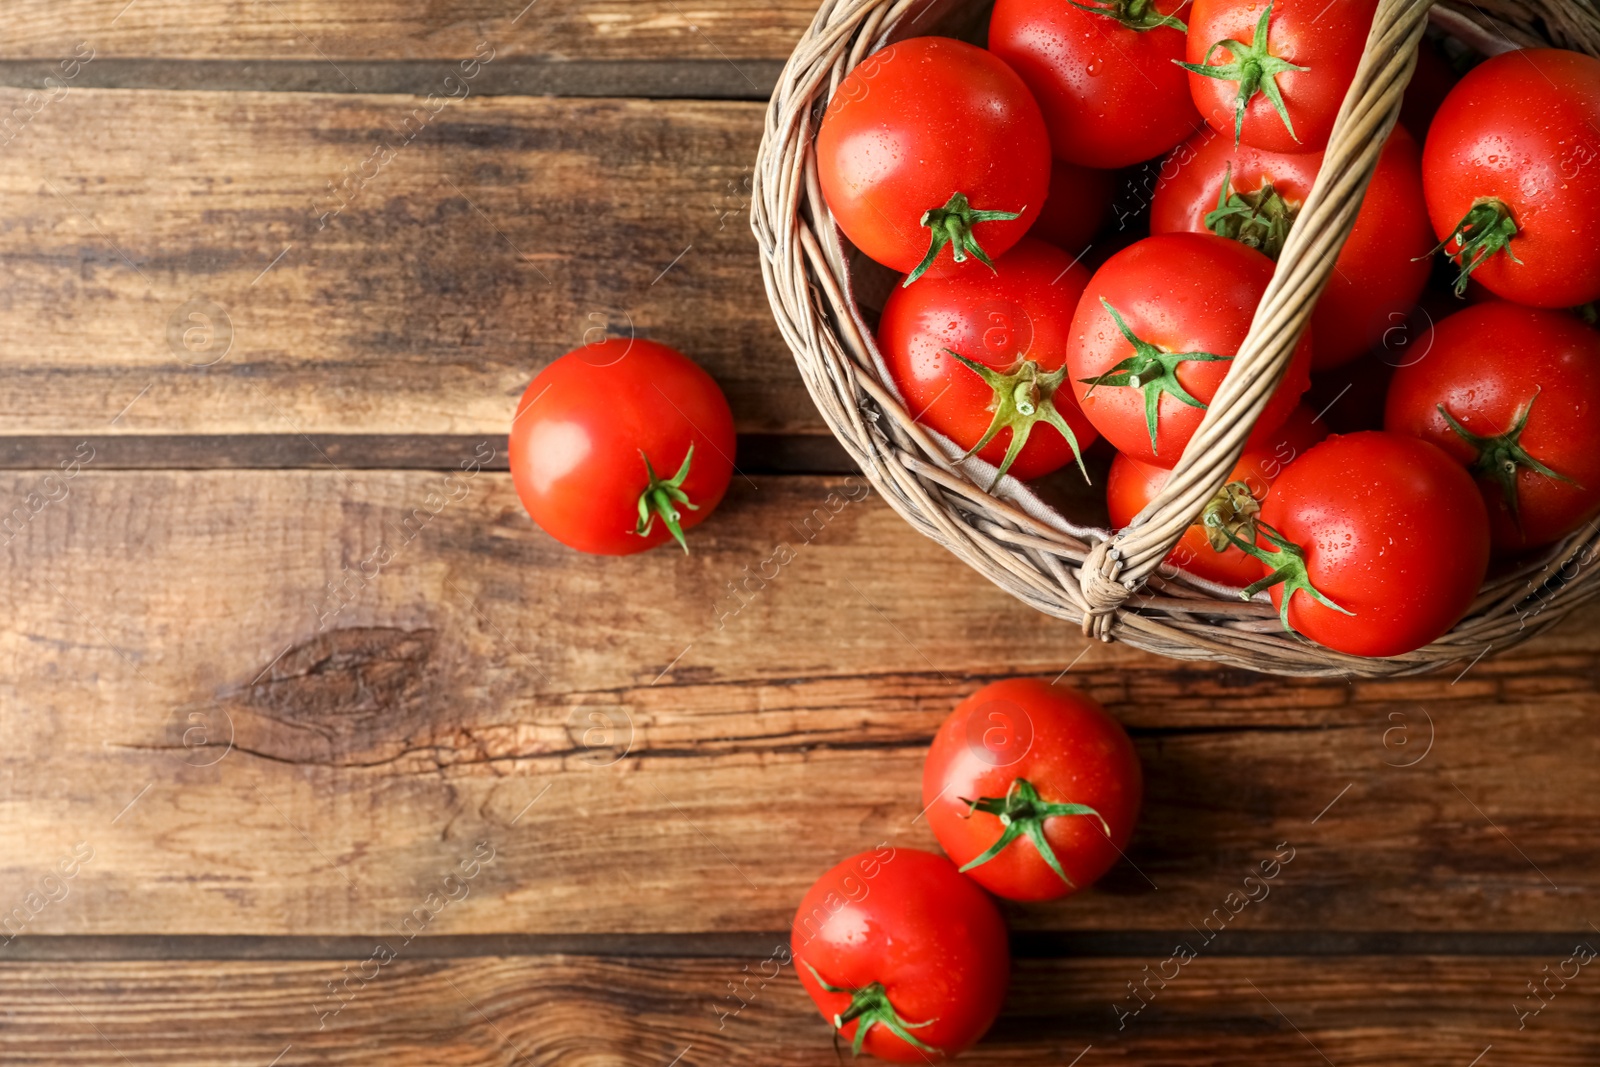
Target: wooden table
[{"x": 267, "y": 307}]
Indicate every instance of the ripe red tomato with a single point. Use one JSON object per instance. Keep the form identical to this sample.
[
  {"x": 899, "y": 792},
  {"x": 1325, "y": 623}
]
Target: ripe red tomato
[
  {"x": 1022, "y": 759},
  {"x": 1079, "y": 201},
  {"x": 1104, "y": 72},
  {"x": 1383, "y": 268},
  {"x": 619, "y": 445},
  {"x": 1014, "y": 325},
  {"x": 1512, "y": 174},
  {"x": 1185, "y": 302},
  {"x": 1206, "y": 551},
  {"x": 1272, "y": 73},
  {"x": 1513, "y": 393},
  {"x": 1374, "y": 543},
  {"x": 933, "y": 151},
  {"x": 904, "y": 956}
]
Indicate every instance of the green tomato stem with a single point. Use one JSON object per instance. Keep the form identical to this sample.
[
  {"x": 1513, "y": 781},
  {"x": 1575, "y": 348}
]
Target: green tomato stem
[
  {"x": 1022, "y": 812},
  {"x": 663, "y": 498}
]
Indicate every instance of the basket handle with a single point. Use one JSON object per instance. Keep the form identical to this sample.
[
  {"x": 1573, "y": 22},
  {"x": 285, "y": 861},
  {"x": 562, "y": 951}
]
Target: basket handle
[{"x": 1118, "y": 566}]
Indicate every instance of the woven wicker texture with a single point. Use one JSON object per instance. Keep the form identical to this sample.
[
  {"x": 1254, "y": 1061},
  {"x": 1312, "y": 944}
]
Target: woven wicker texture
[{"x": 1114, "y": 584}]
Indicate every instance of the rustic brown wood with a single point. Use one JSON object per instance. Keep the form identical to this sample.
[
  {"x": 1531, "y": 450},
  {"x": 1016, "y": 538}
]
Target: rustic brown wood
[
  {"x": 396, "y": 30},
  {"x": 591, "y": 720},
  {"x": 1354, "y": 1012},
  {"x": 180, "y": 263}
]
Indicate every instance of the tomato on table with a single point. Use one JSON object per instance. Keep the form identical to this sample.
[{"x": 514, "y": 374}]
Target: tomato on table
[
  {"x": 1372, "y": 543},
  {"x": 933, "y": 151},
  {"x": 621, "y": 445},
  {"x": 1254, "y": 196},
  {"x": 1079, "y": 202},
  {"x": 1206, "y": 549},
  {"x": 1273, "y": 74},
  {"x": 1032, "y": 788},
  {"x": 981, "y": 358},
  {"x": 1155, "y": 334},
  {"x": 1104, "y": 72},
  {"x": 1513, "y": 393},
  {"x": 1512, "y": 175},
  {"x": 903, "y": 955}
]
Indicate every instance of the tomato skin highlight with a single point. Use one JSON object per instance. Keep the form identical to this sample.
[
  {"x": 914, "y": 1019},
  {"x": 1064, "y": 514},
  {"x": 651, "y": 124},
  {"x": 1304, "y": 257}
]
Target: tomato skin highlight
[
  {"x": 1487, "y": 364},
  {"x": 581, "y": 425},
  {"x": 1112, "y": 96},
  {"x": 1075, "y": 752},
  {"x": 1393, "y": 530},
  {"x": 906, "y": 919},
  {"x": 1132, "y": 484},
  {"x": 1023, "y": 310},
  {"x": 1384, "y": 265},
  {"x": 916, "y": 122},
  {"x": 1297, "y": 33},
  {"x": 1523, "y": 128},
  {"x": 1183, "y": 292}
]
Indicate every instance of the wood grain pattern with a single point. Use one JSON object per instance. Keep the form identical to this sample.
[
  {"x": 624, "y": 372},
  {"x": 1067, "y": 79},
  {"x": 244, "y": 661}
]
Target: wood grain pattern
[
  {"x": 1356, "y": 1012},
  {"x": 211, "y": 263},
  {"x": 249, "y": 751},
  {"x": 396, "y": 30}
]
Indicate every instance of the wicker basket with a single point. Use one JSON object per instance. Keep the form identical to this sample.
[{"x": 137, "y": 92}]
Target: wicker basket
[{"x": 1114, "y": 583}]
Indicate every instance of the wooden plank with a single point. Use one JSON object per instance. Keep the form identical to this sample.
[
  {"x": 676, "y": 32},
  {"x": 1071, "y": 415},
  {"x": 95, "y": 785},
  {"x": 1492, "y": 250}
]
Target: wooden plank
[
  {"x": 510, "y": 75},
  {"x": 248, "y": 751},
  {"x": 205, "y": 263},
  {"x": 725, "y": 30},
  {"x": 1360, "y": 1012},
  {"x": 758, "y": 453}
]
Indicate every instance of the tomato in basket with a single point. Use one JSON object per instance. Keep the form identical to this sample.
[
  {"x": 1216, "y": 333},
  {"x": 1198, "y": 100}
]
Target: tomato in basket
[
  {"x": 1514, "y": 394},
  {"x": 1273, "y": 74},
  {"x": 1078, "y": 205},
  {"x": 1104, "y": 71},
  {"x": 1155, "y": 334},
  {"x": 906, "y": 958},
  {"x": 1372, "y": 543},
  {"x": 1205, "y": 549},
  {"x": 981, "y": 358},
  {"x": 932, "y": 151},
  {"x": 1512, "y": 175},
  {"x": 1253, "y": 196},
  {"x": 1032, "y": 788}
]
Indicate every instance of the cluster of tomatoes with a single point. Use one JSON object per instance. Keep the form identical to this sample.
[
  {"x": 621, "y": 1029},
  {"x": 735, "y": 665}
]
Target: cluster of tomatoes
[
  {"x": 1032, "y": 791},
  {"x": 989, "y": 178}
]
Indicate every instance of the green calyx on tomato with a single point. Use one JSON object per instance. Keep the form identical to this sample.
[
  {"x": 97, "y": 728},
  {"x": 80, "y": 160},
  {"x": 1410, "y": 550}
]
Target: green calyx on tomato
[
  {"x": 1136, "y": 15},
  {"x": 1501, "y": 457},
  {"x": 1289, "y": 562},
  {"x": 1151, "y": 369},
  {"x": 1259, "y": 220},
  {"x": 1589, "y": 312},
  {"x": 870, "y": 1006},
  {"x": 952, "y": 225},
  {"x": 662, "y": 498},
  {"x": 1230, "y": 515},
  {"x": 1486, "y": 229},
  {"x": 1023, "y": 397},
  {"x": 1256, "y": 70},
  {"x": 1023, "y": 811}
]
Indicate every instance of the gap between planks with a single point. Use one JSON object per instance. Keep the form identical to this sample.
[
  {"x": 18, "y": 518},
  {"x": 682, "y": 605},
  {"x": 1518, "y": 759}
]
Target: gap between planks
[{"x": 1025, "y": 944}]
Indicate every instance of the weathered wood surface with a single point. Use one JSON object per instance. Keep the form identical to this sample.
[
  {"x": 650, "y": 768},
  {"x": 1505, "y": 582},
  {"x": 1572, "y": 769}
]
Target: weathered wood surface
[
  {"x": 270, "y": 263},
  {"x": 652, "y": 751},
  {"x": 1353, "y": 1012},
  {"x": 395, "y": 30}
]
